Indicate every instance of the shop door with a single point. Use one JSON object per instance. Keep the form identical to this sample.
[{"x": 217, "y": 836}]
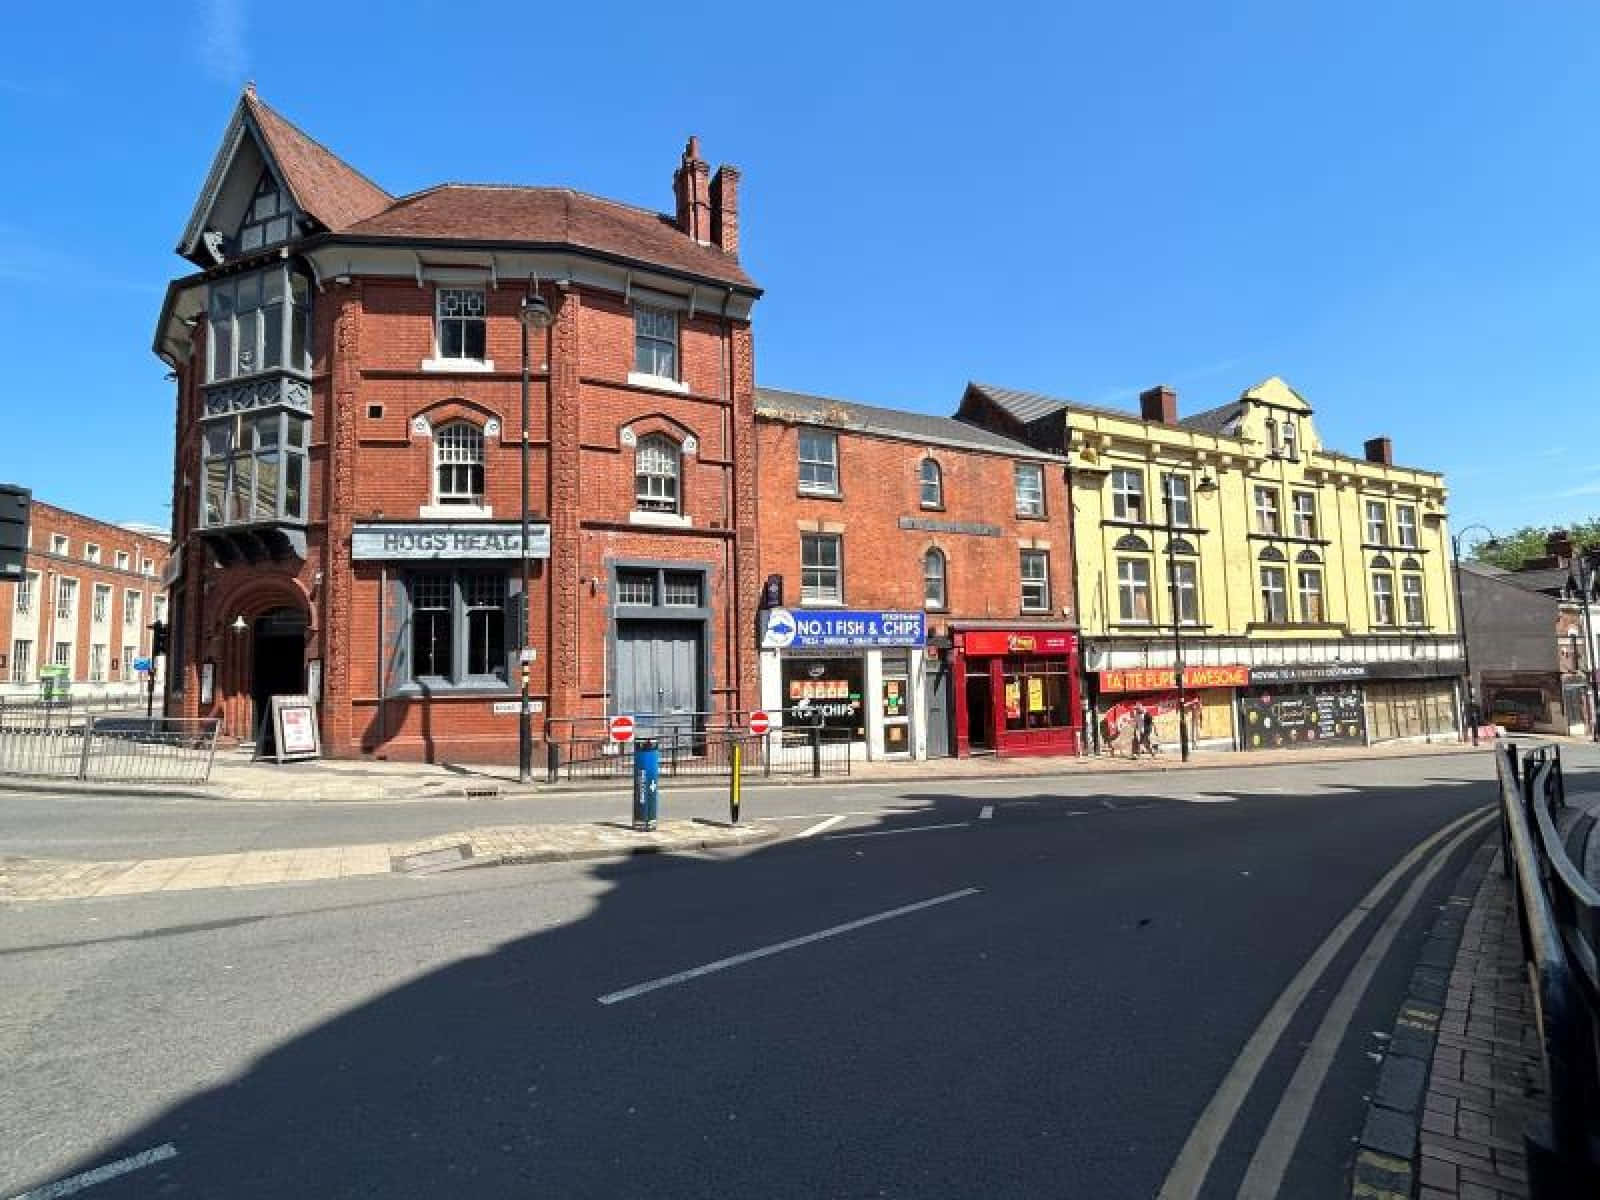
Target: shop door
[
  {"x": 980, "y": 710},
  {"x": 938, "y": 690},
  {"x": 277, "y": 665},
  {"x": 658, "y": 676}
]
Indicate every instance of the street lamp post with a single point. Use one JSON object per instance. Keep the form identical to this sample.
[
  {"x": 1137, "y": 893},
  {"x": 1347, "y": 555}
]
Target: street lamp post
[
  {"x": 1470, "y": 710},
  {"x": 534, "y": 314},
  {"x": 1205, "y": 487},
  {"x": 1588, "y": 576}
]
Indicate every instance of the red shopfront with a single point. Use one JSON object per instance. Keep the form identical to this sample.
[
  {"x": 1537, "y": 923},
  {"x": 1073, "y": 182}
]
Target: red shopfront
[{"x": 1016, "y": 691}]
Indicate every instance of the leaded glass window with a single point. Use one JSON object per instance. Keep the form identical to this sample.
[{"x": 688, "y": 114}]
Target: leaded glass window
[
  {"x": 463, "y": 324},
  {"x": 268, "y": 219}
]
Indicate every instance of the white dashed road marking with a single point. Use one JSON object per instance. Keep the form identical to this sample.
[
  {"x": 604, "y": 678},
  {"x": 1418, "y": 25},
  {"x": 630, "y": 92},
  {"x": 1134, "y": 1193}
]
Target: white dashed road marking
[
  {"x": 76, "y": 1183},
  {"x": 839, "y": 837},
  {"x": 987, "y": 813},
  {"x": 813, "y": 830}
]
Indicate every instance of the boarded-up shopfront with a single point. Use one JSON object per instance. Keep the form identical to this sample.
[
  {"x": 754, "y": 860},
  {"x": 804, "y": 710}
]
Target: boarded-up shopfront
[{"x": 1208, "y": 693}]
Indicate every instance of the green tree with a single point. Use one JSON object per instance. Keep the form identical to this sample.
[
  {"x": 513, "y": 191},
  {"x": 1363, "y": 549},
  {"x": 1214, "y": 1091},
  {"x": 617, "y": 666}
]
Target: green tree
[{"x": 1517, "y": 547}]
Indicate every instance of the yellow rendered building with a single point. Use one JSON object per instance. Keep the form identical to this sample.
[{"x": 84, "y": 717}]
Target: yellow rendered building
[{"x": 1308, "y": 592}]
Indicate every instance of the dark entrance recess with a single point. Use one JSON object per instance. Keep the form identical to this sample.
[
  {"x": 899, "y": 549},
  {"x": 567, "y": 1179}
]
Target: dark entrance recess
[
  {"x": 277, "y": 665},
  {"x": 938, "y": 676},
  {"x": 980, "y": 712}
]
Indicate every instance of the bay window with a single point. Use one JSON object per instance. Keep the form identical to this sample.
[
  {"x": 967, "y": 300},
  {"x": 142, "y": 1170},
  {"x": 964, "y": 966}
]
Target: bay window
[
  {"x": 259, "y": 322},
  {"x": 254, "y": 467}
]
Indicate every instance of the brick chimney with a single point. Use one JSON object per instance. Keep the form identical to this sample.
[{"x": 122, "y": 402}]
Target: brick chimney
[
  {"x": 692, "y": 189},
  {"x": 1558, "y": 545},
  {"x": 725, "y": 209},
  {"x": 1380, "y": 450},
  {"x": 1159, "y": 404}
]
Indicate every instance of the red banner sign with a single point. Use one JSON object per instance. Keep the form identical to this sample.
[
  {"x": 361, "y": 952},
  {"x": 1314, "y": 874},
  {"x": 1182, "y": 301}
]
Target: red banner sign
[
  {"x": 1019, "y": 641},
  {"x": 1150, "y": 679}
]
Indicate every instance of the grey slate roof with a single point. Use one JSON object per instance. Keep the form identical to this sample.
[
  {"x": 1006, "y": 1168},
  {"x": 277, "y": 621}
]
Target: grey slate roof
[
  {"x": 804, "y": 408},
  {"x": 1024, "y": 406},
  {"x": 1213, "y": 420},
  {"x": 1547, "y": 580}
]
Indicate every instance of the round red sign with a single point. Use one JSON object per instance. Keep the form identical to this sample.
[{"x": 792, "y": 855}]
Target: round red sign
[
  {"x": 759, "y": 722},
  {"x": 621, "y": 727}
]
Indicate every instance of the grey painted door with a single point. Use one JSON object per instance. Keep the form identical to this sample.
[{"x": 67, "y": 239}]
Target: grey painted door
[
  {"x": 658, "y": 674},
  {"x": 938, "y": 724}
]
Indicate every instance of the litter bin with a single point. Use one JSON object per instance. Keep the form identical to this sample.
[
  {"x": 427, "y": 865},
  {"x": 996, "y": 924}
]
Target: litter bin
[{"x": 646, "y": 784}]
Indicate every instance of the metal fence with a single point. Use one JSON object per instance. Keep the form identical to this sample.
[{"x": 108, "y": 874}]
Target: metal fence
[
  {"x": 698, "y": 744},
  {"x": 45, "y": 745},
  {"x": 1558, "y": 914}
]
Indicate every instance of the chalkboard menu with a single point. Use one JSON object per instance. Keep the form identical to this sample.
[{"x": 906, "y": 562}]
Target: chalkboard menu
[{"x": 1304, "y": 715}]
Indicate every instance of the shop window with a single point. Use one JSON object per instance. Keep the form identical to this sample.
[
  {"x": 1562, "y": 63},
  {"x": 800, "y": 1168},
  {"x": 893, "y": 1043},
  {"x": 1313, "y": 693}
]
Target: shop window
[
  {"x": 458, "y": 628},
  {"x": 1382, "y": 598},
  {"x": 1309, "y": 593},
  {"x": 1411, "y": 598},
  {"x": 458, "y": 463},
  {"x": 819, "y": 462},
  {"x": 655, "y": 474},
  {"x": 1179, "y": 502},
  {"x": 1127, "y": 494},
  {"x": 1268, "y": 519},
  {"x": 821, "y": 572},
  {"x": 1186, "y": 591},
  {"x": 931, "y": 480},
  {"x": 1133, "y": 589},
  {"x": 933, "y": 580},
  {"x": 829, "y": 688},
  {"x": 1274, "y": 595},
  {"x": 1377, "y": 523},
  {"x": 1037, "y": 693},
  {"x": 1028, "y": 481},
  {"x": 1305, "y": 515},
  {"x": 1035, "y": 581}
]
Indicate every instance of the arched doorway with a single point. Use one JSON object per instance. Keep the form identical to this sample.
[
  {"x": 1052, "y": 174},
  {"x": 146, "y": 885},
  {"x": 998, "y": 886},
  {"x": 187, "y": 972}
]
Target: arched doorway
[{"x": 277, "y": 660}]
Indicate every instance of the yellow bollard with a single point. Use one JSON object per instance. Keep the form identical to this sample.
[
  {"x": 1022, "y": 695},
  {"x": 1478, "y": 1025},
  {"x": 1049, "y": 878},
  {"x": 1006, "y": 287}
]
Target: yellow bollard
[{"x": 733, "y": 783}]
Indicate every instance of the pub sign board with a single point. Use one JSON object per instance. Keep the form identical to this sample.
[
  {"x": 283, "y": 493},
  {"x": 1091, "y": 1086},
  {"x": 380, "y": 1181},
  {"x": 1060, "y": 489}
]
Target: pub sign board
[{"x": 446, "y": 540}]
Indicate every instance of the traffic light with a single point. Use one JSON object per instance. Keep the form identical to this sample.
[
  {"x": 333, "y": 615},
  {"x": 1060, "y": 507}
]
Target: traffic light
[
  {"x": 15, "y": 502},
  {"x": 158, "y": 638}
]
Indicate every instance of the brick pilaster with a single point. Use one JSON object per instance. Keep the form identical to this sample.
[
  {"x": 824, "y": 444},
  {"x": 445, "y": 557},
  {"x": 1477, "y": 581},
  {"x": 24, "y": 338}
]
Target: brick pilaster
[
  {"x": 337, "y": 718},
  {"x": 747, "y": 562},
  {"x": 564, "y": 506}
]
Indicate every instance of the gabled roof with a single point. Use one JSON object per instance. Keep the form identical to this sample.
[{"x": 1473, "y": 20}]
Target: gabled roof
[
  {"x": 1024, "y": 406},
  {"x": 806, "y": 409},
  {"x": 1547, "y": 581},
  {"x": 1214, "y": 420},
  {"x": 322, "y": 185},
  {"x": 551, "y": 215}
]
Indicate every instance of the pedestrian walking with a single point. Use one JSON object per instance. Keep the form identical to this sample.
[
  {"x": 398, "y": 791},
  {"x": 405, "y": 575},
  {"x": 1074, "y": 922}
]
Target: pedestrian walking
[{"x": 1148, "y": 722}]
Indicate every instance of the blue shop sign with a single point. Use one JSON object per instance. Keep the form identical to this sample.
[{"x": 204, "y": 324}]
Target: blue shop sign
[{"x": 813, "y": 629}]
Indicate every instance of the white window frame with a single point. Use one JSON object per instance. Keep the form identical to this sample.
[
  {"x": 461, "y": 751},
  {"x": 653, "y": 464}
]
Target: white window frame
[
  {"x": 132, "y": 607},
  {"x": 100, "y": 604},
  {"x": 935, "y": 580},
  {"x": 99, "y": 661},
  {"x": 1127, "y": 494},
  {"x": 458, "y": 447},
  {"x": 1268, "y": 508},
  {"x": 1305, "y": 522},
  {"x": 1303, "y": 593},
  {"x": 1273, "y": 579},
  {"x": 1290, "y": 444},
  {"x": 1179, "y": 487},
  {"x": 1405, "y": 533},
  {"x": 123, "y": 561},
  {"x": 820, "y": 591},
  {"x": 1376, "y": 522},
  {"x": 1133, "y": 581},
  {"x": 1411, "y": 589},
  {"x": 461, "y": 362},
  {"x": 22, "y": 660},
  {"x": 1382, "y": 596},
  {"x": 658, "y": 484},
  {"x": 819, "y": 465},
  {"x": 27, "y": 591},
  {"x": 1186, "y": 591},
  {"x": 66, "y": 598},
  {"x": 91, "y": 553},
  {"x": 663, "y": 349},
  {"x": 930, "y": 483},
  {"x": 1035, "y": 581},
  {"x": 1027, "y": 484},
  {"x": 60, "y": 545},
  {"x": 60, "y": 659},
  {"x": 130, "y": 654}
]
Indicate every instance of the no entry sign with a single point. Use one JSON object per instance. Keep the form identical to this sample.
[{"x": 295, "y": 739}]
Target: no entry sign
[
  {"x": 759, "y": 722},
  {"x": 621, "y": 727}
]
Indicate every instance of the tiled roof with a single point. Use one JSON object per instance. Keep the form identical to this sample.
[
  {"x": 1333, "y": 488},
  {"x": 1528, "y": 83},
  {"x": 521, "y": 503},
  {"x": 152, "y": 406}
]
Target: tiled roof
[
  {"x": 1213, "y": 420},
  {"x": 803, "y": 408},
  {"x": 324, "y": 185},
  {"x": 551, "y": 215},
  {"x": 1547, "y": 580}
]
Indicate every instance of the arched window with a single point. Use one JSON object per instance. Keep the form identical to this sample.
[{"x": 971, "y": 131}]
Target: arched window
[
  {"x": 1132, "y": 542},
  {"x": 932, "y": 484},
  {"x": 655, "y": 474},
  {"x": 458, "y": 463},
  {"x": 933, "y": 591},
  {"x": 1289, "y": 436}
]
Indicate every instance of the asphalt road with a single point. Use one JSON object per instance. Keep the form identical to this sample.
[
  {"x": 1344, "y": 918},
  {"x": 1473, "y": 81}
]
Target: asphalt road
[
  {"x": 108, "y": 826},
  {"x": 990, "y": 993}
]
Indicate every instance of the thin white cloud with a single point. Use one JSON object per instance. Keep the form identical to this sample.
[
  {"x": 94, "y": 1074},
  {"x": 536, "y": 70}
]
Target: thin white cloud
[{"x": 222, "y": 48}]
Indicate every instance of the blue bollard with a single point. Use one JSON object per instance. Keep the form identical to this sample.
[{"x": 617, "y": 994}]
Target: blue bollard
[{"x": 646, "y": 784}]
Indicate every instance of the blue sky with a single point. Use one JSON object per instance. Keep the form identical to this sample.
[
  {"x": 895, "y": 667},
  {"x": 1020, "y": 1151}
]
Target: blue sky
[{"x": 1392, "y": 206}]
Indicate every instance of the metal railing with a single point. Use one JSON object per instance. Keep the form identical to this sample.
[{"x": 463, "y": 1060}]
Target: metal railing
[
  {"x": 693, "y": 744},
  {"x": 15, "y": 707},
  {"x": 108, "y": 749},
  {"x": 1557, "y": 911}
]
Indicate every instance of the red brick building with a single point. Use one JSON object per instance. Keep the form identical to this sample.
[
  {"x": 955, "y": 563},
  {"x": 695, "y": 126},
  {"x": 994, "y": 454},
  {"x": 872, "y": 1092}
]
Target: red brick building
[
  {"x": 90, "y": 591},
  {"x": 347, "y": 474},
  {"x": 927, "y": 580}
]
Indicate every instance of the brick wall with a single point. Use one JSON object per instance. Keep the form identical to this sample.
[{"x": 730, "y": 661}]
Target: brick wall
[
  {"x": 40, "y": 625},
  {"x": 879, "y": 484}
]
